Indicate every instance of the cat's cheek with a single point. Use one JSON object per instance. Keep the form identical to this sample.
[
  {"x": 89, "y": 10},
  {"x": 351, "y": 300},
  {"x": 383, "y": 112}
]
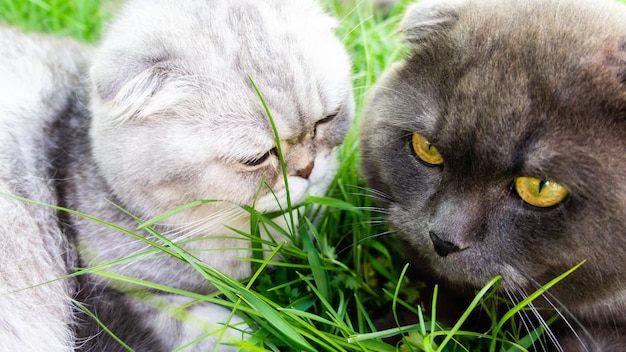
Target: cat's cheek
[
  {"x": 410, "y": 226},
  {"x": 326, "y": 166},
  {"x": 276, "y": 200}
]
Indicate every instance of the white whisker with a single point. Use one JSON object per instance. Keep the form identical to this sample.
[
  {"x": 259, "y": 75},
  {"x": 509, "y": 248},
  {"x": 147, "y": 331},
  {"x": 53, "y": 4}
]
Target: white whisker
[
  {"x": 547, "y": 331},
  {"x": 382, "y": 234},
  {"x": 523, "y": 315},
  {"x": 565, "y": 316}
]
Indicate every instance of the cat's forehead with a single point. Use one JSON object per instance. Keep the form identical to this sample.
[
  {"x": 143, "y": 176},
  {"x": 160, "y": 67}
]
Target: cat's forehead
[
  {"x": 204, "y": 56},
  {"x": 510, "y": 77},
  {"x": 243, "y": 37},
  {"x": 515, "y": 130},
  {"x": 241, "y": 134},
  {"x": 281, "y": 45}
]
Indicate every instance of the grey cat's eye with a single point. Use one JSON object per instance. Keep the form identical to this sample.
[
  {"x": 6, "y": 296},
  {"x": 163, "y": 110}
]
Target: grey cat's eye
[{"x": 425, "y": 150}]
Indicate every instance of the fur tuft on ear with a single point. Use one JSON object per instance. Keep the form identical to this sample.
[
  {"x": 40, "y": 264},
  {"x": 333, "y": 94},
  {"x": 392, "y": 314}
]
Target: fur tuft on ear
[{"x": 428, "y": 18}]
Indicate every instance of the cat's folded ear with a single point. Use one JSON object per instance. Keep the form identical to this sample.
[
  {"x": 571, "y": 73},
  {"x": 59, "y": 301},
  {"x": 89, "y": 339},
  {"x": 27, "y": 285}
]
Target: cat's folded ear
[
  {"x": 110, "y": 79},
  {"x": 125, "y": 88},
  {"x": 429, "y": 18}
]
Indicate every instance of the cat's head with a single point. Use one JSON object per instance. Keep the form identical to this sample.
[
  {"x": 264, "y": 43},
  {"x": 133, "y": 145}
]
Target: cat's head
[
  {"x": 176, "y": 117},
  {"x": 500, "y": 143}
]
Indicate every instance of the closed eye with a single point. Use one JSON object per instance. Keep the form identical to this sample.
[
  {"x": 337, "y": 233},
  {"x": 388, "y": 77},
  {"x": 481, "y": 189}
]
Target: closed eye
[
  {"x": 260, "y": 160},
  {"x": 328, "y": 118},
  {"x": 325, "y": 120}
]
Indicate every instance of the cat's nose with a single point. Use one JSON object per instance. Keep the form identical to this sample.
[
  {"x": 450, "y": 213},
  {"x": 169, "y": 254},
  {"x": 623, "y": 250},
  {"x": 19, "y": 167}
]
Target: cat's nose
[
  {"x": 443, "y": 247},
  {"x": 306, "y": 172}
]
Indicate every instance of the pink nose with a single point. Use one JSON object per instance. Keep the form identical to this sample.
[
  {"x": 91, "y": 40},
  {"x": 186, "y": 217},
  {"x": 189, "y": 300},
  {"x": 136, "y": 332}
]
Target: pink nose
[{"x": 306, "y": 172}]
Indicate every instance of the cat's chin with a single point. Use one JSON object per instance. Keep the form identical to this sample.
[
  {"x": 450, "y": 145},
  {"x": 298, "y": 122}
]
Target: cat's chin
[{"x": 277, "y": 199}]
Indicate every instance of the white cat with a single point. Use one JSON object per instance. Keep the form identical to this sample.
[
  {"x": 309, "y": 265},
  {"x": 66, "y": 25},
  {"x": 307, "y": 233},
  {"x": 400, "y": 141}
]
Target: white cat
[{"x": 167, "y": 116}]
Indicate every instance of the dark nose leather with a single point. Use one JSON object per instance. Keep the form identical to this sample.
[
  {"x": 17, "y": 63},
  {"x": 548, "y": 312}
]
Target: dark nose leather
[
  {"x": 306, "y": 172},
  {"x": 443, "y": 247}
]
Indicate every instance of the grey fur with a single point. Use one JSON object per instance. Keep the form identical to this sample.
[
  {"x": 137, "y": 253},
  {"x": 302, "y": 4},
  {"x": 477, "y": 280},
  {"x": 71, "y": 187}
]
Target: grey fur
[
  {"x": 160, "y": 114},
  {"x": 34, "y": 94},
  {"x": 505, "y": 89}
]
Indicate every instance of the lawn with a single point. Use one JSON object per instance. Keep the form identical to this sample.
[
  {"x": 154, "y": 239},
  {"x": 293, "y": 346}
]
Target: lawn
[{"x": 344, "y": 271}]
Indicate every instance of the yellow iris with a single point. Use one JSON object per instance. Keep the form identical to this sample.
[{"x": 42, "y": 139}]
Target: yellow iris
[
  {"x": 540, "y": 193},
  {"x": 426, "y": 151}
]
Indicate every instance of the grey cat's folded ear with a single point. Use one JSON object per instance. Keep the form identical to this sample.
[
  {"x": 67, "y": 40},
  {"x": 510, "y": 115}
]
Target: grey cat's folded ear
[{"x": 428, "y": 18}]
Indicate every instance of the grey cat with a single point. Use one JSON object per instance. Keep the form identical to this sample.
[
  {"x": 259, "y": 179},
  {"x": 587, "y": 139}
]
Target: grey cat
[
  {"x": 160, "y": 114},
  {"x": 498, "y": 147}
]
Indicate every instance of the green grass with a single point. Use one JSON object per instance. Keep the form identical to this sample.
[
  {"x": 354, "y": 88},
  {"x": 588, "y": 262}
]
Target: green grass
[
  {"x": 80, "y": 19},
  {"x": 339, "y": 274}
]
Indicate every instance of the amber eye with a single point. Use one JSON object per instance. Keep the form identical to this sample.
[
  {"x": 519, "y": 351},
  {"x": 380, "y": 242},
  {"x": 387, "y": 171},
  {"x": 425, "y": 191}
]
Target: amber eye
[
  {"x": 540, "y": 193},
  {"x": 426, "y": 151}
]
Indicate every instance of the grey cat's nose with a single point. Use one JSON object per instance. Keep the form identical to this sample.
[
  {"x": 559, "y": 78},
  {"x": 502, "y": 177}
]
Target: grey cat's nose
[
  {"x": 443, "y": 247},
  {"x": 306, "y": 172}
]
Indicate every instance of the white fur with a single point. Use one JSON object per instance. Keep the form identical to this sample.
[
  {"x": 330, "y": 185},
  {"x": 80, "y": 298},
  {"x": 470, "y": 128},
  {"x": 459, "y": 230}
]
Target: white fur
[
  {"x": 174, "y": 119},
  {"x": 37, "y": 78}
]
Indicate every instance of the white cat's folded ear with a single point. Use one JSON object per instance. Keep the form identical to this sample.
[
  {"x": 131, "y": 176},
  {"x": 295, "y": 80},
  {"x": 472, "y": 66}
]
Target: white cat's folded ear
[
  {"x": 428, "y": 18},
  {"x": 112, "y": 76},
  {"x": 125, "y": 92}
]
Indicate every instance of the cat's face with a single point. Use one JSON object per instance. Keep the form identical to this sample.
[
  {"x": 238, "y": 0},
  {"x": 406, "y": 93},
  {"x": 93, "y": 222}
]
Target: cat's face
[
  {"x": 500, "y": 144},
  {"x": 176, "y": 118}
]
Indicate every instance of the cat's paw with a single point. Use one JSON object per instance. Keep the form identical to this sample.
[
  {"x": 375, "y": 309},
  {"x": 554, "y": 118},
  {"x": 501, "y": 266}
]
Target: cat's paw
[{"x": 200, "y": 327}]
